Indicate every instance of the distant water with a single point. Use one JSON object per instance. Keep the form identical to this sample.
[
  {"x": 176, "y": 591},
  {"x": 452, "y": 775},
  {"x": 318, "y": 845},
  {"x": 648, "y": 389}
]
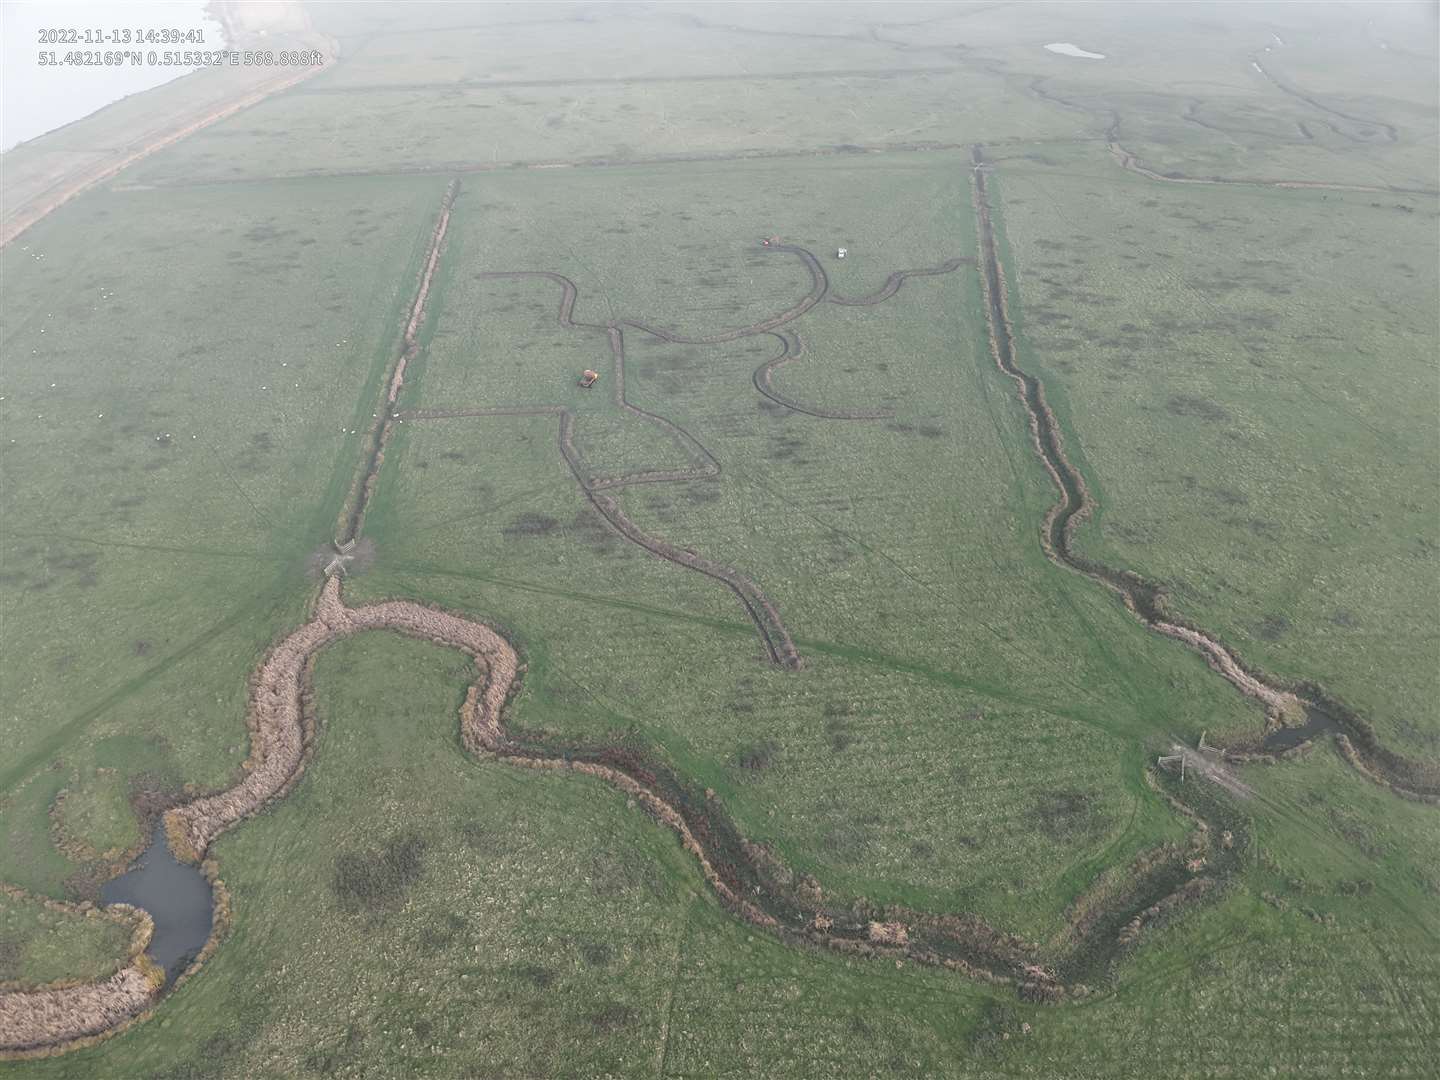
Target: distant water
[
  {"x": 35, "y": 99},
  {"x": 177, "y": 897},
  {"x": 1064, "y": 48}
]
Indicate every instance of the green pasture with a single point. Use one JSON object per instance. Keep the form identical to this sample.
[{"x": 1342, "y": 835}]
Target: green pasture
[
  {"x": 195, "y": 351},
  {"x": 1274, "y": 379}
]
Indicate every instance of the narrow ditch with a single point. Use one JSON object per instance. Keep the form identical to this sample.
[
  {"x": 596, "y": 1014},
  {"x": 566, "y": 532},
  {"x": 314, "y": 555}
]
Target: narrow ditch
[
  {"x": 1296, "y": 714},
  {"x": 1103, "y": 926},
  {"x": 352, "y": 517},
  {"x": 748, "y": 879}
]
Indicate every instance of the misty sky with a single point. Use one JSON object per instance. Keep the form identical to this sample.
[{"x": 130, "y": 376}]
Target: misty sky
[{"x": 35, "y": 99}]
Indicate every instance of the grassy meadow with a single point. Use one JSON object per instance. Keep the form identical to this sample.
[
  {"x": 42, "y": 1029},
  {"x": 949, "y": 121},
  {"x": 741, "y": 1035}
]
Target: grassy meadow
[
  {"x": 1244, "y": 373},
  {"x": 1277, "y": 464},
  {"x": 160, "y": 505}
]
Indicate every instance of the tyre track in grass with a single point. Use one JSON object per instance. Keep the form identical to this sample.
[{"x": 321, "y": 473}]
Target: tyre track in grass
[
  {"x": 791, "y": 349},
  {"x": 779, "y": 645},
  {"x": 1388, "y": 132},
  {"x": 1130, "y": 162},
  {"x": 1296, "y": 712}
]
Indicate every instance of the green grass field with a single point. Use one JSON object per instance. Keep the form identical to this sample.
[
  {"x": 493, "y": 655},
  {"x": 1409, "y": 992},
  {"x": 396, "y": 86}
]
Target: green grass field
[{"x": 196, "y": 353}]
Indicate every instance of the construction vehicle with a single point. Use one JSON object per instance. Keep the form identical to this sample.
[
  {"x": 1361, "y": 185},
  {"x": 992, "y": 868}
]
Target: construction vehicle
[{"x": 589, "y": 378}]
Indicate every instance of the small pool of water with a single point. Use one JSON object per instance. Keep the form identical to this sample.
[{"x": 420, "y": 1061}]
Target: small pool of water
[
  {"x": 1064, "y": 48},
  {"x": 1317, "y": 723},
  {"x": 176, "y": 896}
]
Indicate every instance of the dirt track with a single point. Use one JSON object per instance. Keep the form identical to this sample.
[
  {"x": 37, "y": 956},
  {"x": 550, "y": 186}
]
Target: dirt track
[{"x": 81, "y": 179}]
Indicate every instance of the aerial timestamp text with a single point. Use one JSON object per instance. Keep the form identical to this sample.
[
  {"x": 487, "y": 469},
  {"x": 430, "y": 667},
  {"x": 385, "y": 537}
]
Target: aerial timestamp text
[
  {"x": 121, "y": 36},
  {"x": 181, "y": 58}
]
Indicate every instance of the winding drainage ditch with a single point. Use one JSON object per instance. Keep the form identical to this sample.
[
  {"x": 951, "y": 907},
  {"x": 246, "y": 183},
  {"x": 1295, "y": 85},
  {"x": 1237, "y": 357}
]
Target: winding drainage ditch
[
  {"x": 746, "y": 877},
  {"x": 1296, "y": 712}
]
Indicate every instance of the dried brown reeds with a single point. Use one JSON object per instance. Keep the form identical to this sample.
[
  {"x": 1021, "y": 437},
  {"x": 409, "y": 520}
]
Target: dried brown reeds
[
  {"x": 276, "y": 715},
  {"x": 34, "y": 1020}
]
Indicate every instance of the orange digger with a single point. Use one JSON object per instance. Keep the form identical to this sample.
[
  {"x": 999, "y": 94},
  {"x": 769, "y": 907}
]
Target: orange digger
[{"x": 589, "y": 378}]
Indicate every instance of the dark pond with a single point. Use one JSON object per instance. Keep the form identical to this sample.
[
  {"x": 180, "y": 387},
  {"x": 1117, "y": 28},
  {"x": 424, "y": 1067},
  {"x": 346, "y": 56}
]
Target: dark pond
[
  {"x": 177, "y": 897},
  {"x": 1317, "y": 723}
]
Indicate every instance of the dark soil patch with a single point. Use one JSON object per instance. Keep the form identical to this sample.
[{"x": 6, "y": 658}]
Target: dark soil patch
[
  {"x": 758, "y": 756},
  {"x": 589, "y": 528},
  {"x": 611, "y": 1017},
  {"x": 1202, "y": 408},
  {"x": 10, "y": 953},
  {"x": 539, "y": 977},
  {"x": 530, "y": 524},
  {"x": 1061, "y": 814},
  {"x": 377, "y": 879},
  {"x": 595, "y": 953},
  {"x": 1272, "y": 627}
]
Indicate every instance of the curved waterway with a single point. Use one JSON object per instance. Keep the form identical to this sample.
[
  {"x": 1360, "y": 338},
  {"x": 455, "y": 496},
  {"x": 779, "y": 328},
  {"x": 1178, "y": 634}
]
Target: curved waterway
[{"x": 176, "y": 896}]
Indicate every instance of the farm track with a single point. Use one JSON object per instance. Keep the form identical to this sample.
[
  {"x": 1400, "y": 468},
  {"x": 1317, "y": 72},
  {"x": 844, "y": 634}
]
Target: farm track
[
  {"x": 78, "y": 181},
  {"x": 463, "y": 167},
  {"x": 622, "y": 80},
  {"x": 1302, "y": 705}
]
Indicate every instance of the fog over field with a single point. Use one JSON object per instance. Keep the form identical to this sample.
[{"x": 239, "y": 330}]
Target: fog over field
[{"x": 667, "y": 539}]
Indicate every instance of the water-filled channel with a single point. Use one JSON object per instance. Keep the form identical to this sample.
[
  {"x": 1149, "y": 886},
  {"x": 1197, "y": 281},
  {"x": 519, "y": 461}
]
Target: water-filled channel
[{"x": 177, "y": 897}]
